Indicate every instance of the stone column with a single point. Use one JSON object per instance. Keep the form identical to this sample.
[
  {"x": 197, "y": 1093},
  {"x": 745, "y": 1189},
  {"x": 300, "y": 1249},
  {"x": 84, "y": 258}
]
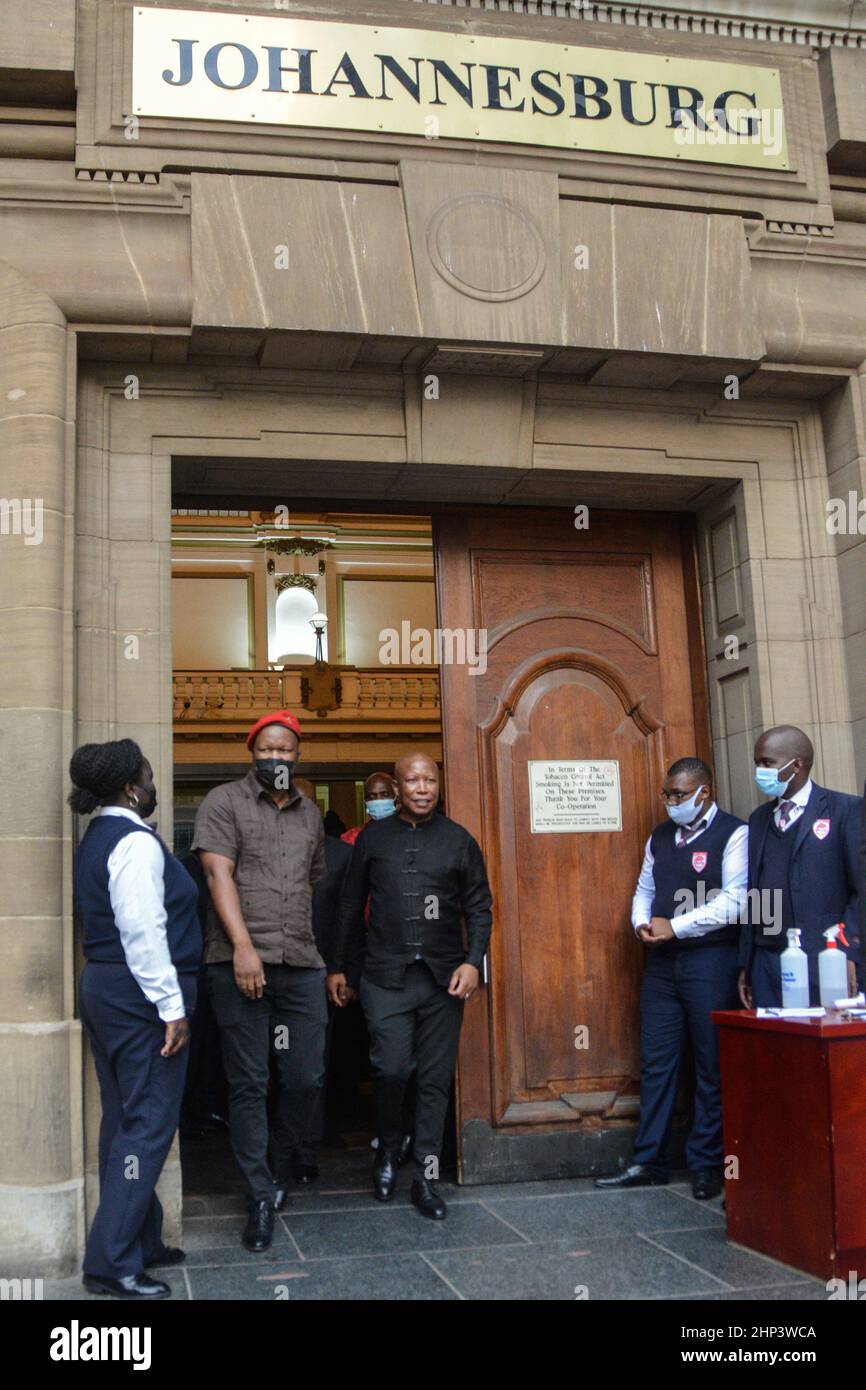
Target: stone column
[
  {"x": 123, "y": 633},
  {"x": 41, "y": 1183},
  {"x": 844, "y": 422}
]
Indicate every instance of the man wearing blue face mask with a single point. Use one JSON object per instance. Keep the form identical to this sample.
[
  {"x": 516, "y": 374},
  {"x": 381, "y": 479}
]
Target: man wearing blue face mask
[
  {"x": 379, "y": 802},
  {"x": 803, "y": 867},
  {"x": 685, "y": 910}
]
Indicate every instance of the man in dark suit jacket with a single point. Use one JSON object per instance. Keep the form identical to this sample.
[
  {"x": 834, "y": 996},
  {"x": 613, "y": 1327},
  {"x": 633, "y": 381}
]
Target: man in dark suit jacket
[
  {"x": 326, "y": 906},
  {"x": 804, "y": 848}
]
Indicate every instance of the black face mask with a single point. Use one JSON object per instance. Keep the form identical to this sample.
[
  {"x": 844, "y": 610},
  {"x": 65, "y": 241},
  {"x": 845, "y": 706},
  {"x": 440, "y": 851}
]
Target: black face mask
[
  {"x": 146, "y": 804},
  {"x": 274, "y": 773}
]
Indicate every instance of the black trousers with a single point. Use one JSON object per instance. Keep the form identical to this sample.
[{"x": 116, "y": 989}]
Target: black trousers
[
  {"x": 416, "y": 1025},
  {"x": 205, "y": 1093},
  {"x": 289, "y": 1021},
  {"x": 141, "y": 1094},
  {"x": 681, "y": 989},
  {"x": 311, "y": 1141}
]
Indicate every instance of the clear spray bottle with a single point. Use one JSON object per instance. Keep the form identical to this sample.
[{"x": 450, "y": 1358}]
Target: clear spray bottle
[{"x": 833, "y": 967}]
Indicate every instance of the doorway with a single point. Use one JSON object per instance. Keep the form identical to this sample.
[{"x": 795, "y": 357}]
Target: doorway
[
  {"x": 552, "y": 748},
  {"x": 305, "y": 608}
]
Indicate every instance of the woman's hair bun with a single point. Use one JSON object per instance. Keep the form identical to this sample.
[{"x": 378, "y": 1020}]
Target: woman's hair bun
[{"x": 99, "y": 770}]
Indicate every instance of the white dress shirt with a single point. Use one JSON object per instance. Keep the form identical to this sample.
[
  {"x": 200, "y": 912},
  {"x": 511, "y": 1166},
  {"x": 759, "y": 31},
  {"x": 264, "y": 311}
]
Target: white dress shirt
[
  {"x": 719, "y": 910},
  {"x": 136, "y": 886},
  {"x": 799, "y": 799}
]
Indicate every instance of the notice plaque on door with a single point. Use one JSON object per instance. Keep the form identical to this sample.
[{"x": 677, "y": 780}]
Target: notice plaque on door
[{"x": 567, "y": 798}]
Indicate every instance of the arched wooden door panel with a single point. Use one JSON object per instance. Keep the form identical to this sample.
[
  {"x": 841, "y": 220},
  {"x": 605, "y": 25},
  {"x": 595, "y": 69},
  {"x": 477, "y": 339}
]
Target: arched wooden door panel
[
  {"x": 588, "y": 662},
  {"x": 557, "y": 1029}
]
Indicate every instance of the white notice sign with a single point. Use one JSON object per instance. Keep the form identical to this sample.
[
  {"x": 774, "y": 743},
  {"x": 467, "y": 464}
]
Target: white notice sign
[{"x": 566, "y": 798}]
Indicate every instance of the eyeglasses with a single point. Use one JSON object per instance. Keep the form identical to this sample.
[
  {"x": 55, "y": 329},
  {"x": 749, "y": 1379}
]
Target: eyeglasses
[{"x": 676, "y": 798}]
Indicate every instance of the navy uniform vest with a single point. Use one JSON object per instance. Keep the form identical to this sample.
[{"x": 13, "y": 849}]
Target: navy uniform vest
[
  {"x": 774, "y": 874},
  {"x": 90, "y": 890},
  {"x": 674, "y": 870}
]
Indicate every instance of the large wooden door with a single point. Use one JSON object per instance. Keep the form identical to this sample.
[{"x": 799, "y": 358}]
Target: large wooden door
[{"x": 593, "y": 654}]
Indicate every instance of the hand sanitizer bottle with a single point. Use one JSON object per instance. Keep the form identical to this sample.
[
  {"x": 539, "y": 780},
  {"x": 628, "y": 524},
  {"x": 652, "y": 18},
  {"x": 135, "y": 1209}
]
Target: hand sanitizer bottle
[
  {"x": 833, "y": 967},
  {"x": 795, "y": 974}
]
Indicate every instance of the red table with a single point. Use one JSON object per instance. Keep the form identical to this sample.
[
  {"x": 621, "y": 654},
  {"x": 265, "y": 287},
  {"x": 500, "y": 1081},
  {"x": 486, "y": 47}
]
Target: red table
[{"x": 794, "y": 1104}]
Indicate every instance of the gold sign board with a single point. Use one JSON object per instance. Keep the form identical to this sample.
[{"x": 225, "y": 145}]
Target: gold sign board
[{"x": 273, "y": 70}]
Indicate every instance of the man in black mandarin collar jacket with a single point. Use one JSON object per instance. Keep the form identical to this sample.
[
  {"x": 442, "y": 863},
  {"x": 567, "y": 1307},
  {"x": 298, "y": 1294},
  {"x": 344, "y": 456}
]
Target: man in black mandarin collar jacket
[{"x": 425, "y": 878}]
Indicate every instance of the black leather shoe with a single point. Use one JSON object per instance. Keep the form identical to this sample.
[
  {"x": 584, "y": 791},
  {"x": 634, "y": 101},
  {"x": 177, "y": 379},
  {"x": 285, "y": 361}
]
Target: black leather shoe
[
  {"x": 281, "y": 1192},
  {"x": 405, "y": 1150},
  {"x": 259, "y": 1230},
  {"x": 635, "y": 1176},
  {"x": 304, "y": 1173},
  {"x": 427, "y": 1200},
  {"x": 169, "y": 1255},
  {"x": 130, "y": 1286},
  {"x": 706, "y": 1183},
  {"x": 384, "y": 1174}
]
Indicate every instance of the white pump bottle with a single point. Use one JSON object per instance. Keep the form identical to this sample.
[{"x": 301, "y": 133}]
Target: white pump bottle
[{"x": 795, "y": 974}]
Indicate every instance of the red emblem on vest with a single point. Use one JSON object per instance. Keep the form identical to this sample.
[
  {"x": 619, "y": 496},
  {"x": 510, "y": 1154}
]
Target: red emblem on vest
[
  {"x": 699, "y": 860},
  {"x": 821, "y": 829}
]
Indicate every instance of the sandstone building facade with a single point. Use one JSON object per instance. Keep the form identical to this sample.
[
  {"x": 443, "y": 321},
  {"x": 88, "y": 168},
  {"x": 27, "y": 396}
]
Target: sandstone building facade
[{"x": 437, "y": 311}]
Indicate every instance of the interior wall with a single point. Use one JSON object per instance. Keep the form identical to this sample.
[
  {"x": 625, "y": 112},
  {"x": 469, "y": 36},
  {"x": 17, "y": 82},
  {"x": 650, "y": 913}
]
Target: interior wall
[
  {"x": 210, "y": 628},
  {"x": 342, "y": 799},
  {"x": 373, "y": 606}
]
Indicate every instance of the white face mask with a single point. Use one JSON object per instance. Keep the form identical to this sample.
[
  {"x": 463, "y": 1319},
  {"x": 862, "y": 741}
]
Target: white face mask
[{"x": 687, "y": 811}]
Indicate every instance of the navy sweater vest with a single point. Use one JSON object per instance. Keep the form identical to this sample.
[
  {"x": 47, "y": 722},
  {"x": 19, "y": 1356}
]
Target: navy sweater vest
[
  {"x": 774, "y": 873},
  {"x": 90, "y": 889},
  {"x": 680, "y": 868}
]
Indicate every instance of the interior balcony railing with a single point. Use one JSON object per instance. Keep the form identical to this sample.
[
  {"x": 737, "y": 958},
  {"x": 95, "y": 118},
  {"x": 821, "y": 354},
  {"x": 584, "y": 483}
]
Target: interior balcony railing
[{"x": 344, "y": 695}]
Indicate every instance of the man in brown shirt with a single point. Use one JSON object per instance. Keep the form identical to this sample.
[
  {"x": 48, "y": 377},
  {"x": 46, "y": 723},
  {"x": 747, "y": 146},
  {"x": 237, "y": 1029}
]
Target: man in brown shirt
[{"x": 262, "y": 849}]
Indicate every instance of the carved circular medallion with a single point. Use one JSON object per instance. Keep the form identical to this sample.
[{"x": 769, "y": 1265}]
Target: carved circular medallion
[{"x": 485, "y": 247}]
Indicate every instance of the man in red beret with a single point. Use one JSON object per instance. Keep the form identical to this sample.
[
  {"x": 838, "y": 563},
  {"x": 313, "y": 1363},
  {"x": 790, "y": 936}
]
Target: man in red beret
[{"x": 262, "y": 849}]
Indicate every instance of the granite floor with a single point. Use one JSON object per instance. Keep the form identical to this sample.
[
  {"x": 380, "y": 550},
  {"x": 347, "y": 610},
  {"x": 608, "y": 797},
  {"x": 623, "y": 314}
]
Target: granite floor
[{"x": 560, "y": 1239}]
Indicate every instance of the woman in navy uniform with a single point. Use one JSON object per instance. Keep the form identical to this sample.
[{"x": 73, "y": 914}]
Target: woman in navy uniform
[{"x": 142, "y": 945}]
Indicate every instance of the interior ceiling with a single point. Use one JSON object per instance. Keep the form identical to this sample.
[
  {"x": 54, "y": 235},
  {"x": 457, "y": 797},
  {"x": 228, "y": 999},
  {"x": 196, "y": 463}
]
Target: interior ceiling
[{"x": 335, "y": 529}]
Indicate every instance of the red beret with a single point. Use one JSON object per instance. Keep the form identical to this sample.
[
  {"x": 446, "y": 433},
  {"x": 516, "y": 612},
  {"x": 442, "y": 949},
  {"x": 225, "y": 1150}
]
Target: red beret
[{"x": 281, "y": 716}]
